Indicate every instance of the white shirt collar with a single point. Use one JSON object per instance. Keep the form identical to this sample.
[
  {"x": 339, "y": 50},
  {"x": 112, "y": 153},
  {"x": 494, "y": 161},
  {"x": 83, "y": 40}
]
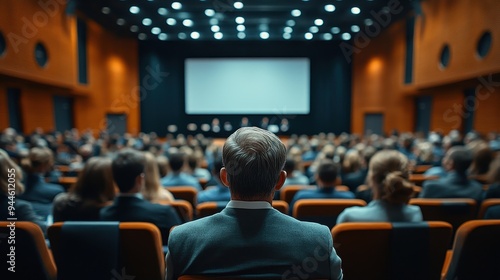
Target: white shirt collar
[{"x": 249, "y": 204}]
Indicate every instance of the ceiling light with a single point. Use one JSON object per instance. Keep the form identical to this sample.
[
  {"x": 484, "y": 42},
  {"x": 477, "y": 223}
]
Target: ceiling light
[
  {"x": 182, "y": 35},
  {"x": 120, "y": 21},
  {"x": 187, "y": 22},
  {"x": 218, "y": 35},
  {"x": 240, "y": 27},
  {"x": 335, "y": 30},
  {"x": 327, "y": 36},
  {"x": 162, "y": 36},
  {"x": 156, "y": 30},
  {"x": 176, "y": 6},
  {"x": 209, "y": 12},
  {"x": 296, "y": 13},
  {"x": 147, "y": 21},
  {"x": 215, "y": 28},
  {"x": 162, "y": 11},
  {"x": 142, "y": 36},
  {"x": 314, "y": 29},
  {"x": 355, "y": 28},
  {"x": 290, "y": 22},
  {"x": 264, "y": 35},
  {"x": 240, "y": 20},
  {"x": 368, "y": 21},
  {"x": 346, "y": 36},
  {"x": 134, "y": 10},
  {"x": 288, "y": 29},
  {"x": 287, "y": 36},
  {"x": 134, "y": 28},
  {"x": 238, "y": 5},
  {"x": 195, "y": 35},
  {"x": 329, "y": 8},
  {"x": 308, "y": 36},
  {"x": 105, "y": 10},
  {"x": 318, "y": 22},
  {"x": 214, "y": 21},
  {"x": 355, "y": 10},
  {"x": 171, "y": 21},
  {"x": 242, "y": 35}
]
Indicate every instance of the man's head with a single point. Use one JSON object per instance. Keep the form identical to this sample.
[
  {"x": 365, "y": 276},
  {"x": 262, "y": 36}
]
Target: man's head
[
  {"x": 176, "y": 162},
  {"x": 326, "y": 174},
  {"x": 253, "y": 160},
  {"x": 128, "y": 170},
  {"x": 289, "y": 167},
  {"x": 458, "y": 159}
]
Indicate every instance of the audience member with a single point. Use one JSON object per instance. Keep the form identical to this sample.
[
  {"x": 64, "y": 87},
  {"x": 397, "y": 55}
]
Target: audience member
[
  {"x": 294, "y": 176},
  {"x": 388, "y": 178},
  {"x": 353, "y": 172},
  {"x": 93, "y": 190},
  {"x": 326, "y": 178},
  {"x": 195, "y": 161},
  {"x": 162, "y": 162},
  {"x": 177, "y": 177},
  {"x": 249, "y": 237},
  {"x": 493, "y": 213},
  {"x": 218, "y": 192},
  {"x": 38, "y": 192},
  {"x": 129, "y": 205},
  {"x": 456, "y": 184},
  {"x": 153, "y": 190},
  {"x": 11, "y": 186},
  {"x": 494, "y": 177}
]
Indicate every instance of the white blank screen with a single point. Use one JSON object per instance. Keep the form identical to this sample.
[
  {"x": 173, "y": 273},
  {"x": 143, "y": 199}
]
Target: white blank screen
[{"x": 247, "y": 86}]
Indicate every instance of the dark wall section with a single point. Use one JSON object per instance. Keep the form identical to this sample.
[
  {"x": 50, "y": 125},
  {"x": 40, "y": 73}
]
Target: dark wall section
[{"x": 161, "y": 70}]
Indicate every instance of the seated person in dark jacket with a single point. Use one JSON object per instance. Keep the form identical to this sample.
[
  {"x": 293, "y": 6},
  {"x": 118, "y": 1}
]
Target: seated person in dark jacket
[
  {"x": 456, "y": 183},
  {"x": 353, "y": 172},
  {"x": 129, "y": 205},
  {"x": 177, "y": 177},
  {"x": 326, "y": 176},
  {"x": 38, "y": 192},
  {"x": 493, "y": 213},
  {"x": 11, "y": 186},
  {"x": 494, "y": 177},
  {"x": 218, "y": 192}
]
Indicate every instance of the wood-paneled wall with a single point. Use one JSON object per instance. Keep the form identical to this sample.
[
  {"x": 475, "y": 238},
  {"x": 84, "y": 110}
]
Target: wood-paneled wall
[{"x": 112, "y": 67}]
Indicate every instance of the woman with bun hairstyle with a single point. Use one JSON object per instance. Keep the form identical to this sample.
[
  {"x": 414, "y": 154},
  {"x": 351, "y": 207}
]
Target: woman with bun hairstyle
[{"x": 388, "y": 177}]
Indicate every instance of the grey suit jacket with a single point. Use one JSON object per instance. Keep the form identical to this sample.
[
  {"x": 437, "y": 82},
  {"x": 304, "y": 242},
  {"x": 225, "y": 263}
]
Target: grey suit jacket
[
  {"x": 250, "y": 242},
  {"x": 452, "y": 186}
]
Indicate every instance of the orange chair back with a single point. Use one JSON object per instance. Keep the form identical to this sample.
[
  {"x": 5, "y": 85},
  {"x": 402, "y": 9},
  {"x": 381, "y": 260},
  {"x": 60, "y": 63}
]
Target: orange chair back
[
  {"x": 187, "y": 193},
  {"x": 281, "y": 206},
  {"x": 323, "y": 211},
  {"x": 209, "y": 208},
  {"x": 183, "y": 208},
  {"x": 287, "y": 192}
]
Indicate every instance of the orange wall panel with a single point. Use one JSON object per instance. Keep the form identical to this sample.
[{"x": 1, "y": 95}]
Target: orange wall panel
[
  {"x": 447, "y": 110},
  {"x": 38, "y": 110},
  {"x": 4, "y": 113},
  {"x": 487, "y": 111}
]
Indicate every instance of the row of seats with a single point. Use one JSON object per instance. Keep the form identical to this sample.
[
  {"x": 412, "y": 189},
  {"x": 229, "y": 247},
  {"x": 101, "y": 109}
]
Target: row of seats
[{"x": 102, "y": 250}]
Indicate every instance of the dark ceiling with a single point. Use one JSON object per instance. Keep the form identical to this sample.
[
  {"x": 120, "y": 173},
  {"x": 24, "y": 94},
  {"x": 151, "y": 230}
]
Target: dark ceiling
[{"x": 258, "y": 19}]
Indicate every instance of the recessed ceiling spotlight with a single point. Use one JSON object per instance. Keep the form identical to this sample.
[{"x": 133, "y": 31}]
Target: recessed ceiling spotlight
[
  {"x": 368, "y": 21},
  {"x": 290, "y": 22},
  {"x": 134, "y": 28},
  {"x": 287, "y": 36},
  {"x": 147, "y": 21},
  {"x": 142, "y": 36},
  {"x": 308, "y": 36},
  {"x": 171, "y": 21},
  {"x": 214, "y": 21},
  {"x": 318, "y": 22},
  {"x": 355, "y": 28},
  {"x": 195, "y": 35},
  {"x": 329, "y": 8},
  {"x": 335, "y": 30},
  {"x": 162, "y": 11},
  {"x": 346, "y": 36},
  {"x": 313, "y": 29},
  {"x": 264, "y": 35},
  {"x": 215, "y": 28},
  {"x": 120, "y": 21},
  {"x": 238, "y": 5},
  {"x": 187, "y": 22},
  {"x": 242, "y": 35},
  {"x": 240, "y": 20},
  {"x": 296, "y": 13},
  {"x": 162, "y": 36},
  {"x": 327, "y": 36},
  {"x": 218, "y": 35},
  {"x": 134, "y": 10},
  {"x": 288, "y": 29},
  {"x": 209, "y": 12},
  {"x": 240, "y": 27},
  {"x": 182, "y": 35},
  {"x": 156, "y": 30},
  {"x": 176, "y": 6},
  {"x": 355, "y": 10},
  {"x": 105, "y": 10}
]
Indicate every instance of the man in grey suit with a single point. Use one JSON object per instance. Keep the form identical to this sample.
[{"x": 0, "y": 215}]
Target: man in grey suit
[{"x": 249, "y": 237}]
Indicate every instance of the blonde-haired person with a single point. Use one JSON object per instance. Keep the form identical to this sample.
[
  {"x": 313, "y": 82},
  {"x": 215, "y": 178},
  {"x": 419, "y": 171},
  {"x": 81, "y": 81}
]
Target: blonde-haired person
[
  {"x": 388, "y": 177},
  {"x": 11, "y": 186},
  {"x": 153, "y": 190},
  {"x": 93, "y": 190},
  {"x": 38, "y": 192}
]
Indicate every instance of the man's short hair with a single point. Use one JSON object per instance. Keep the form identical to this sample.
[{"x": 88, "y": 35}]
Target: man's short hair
[
  {"x": 126, "y": 166},
  {"x": 176, "y": 161},
  {"x": 289, "y": 165},
  {"x": 461, "y": 157},
  {"x": 327, "y": 171},
  {"x": 253, "y": 159}
]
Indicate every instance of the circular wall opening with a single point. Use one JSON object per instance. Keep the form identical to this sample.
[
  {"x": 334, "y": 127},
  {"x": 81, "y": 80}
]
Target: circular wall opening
[
  {"x": 444, "y": 58},
  {"x": 41, "y": 55},
  {"x": 484, "y": 44}
]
